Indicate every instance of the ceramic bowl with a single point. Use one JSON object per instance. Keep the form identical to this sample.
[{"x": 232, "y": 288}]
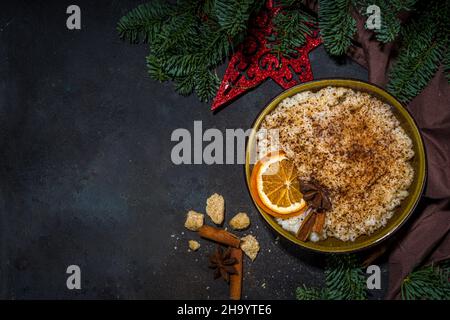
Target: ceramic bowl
[{"x": 333, "y": 245}]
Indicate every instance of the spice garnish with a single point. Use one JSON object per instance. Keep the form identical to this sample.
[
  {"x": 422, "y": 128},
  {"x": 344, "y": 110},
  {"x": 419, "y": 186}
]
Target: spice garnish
[
  {"x": 305, "y": 229},
  {"x": 219, "y": 235},
  {"x": 318, "y": 202},
  {"x": 319, "y": 223},
  {"x": 316, "y": 196},
  {"x": 223, "y": 263},
  {"x": 236, "y": 279}
]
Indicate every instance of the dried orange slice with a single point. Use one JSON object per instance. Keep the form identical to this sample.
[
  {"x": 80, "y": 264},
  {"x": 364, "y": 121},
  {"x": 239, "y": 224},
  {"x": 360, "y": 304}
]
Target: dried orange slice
[{"x": 275, "y": 187}]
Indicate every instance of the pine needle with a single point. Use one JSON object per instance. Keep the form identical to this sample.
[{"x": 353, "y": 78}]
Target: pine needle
[
  {"x": 427, "y": 283},
  {"x": 305, "y": 293},
  {"x": 144, "y": 22},
  {"x": 337, "y": 26},
  {"x": 422, "y": 50},
  {"x": 389, "y": 11},
  {"x": 344, "y": 280},
  {"x": 188, "y": 40},
  {"x": 291, "y": 26}
]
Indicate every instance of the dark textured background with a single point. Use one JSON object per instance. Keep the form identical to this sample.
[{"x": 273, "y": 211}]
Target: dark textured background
[{"x": 86, "y": 176}]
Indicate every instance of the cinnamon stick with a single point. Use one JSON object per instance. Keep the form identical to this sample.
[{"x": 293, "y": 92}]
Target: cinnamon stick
[
  {"x": 318, "y": 224},
  {"x": 236, "y": 279},
  {"x": 219, "y": 235},
  {"x": 305, "y": 229}
]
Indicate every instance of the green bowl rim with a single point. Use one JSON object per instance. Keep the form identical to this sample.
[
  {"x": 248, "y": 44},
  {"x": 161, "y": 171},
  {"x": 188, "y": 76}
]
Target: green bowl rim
[{"x": 423, "y": 178}]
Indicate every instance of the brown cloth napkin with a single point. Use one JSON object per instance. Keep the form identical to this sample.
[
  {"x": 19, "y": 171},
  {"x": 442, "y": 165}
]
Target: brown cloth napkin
[{"x": 426, "y": 239}]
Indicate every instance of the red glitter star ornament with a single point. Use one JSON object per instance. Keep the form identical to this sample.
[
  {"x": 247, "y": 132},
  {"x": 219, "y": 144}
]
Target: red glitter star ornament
[{"x": 253, "y": 62}]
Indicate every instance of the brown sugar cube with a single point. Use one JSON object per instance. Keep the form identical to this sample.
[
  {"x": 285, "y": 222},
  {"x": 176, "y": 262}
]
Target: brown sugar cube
[
  {"x": 240, "y": 221},
  {"x": 194, "y": 220},
  {"x": 250, "y": 246},
  {"x": 194, "y": 245},
  {"x": 215, "y": 208}
]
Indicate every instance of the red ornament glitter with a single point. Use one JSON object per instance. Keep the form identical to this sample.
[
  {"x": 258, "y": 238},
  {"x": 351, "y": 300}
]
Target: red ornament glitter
[{"x": 253, "y": 62}]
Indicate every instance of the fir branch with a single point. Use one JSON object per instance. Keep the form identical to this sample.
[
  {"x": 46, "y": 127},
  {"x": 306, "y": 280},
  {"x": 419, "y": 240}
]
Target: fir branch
[
  {"x": 206, "y": 84},
  {"x": 188, "y": 40},
  {"x": 185, "y": 85},
  {"x": 390, "y": 25},
  {"x": 232, "y": 15},
  {"x": 144, "y": 22},
  {"x": 400, "y": 5},
  {"x": 291, "y": 27},
  {"x": 155, "y": 68},
  {"x": 305, "y": 293},
  {"x": 337, "y": 26},
  {"x": 217, "y": 46},
  {"x": 427, "y": 283},
  {"x": 389, "y": 10},
  {"x": 182, "y": 64},
  {"x": 178, "y": 32},
  {"x": 411, "y": 73},
  {"x": 206, "y": 8},
  {"x": 345, "y": 279},
  {"x": 421, "y": 52}
]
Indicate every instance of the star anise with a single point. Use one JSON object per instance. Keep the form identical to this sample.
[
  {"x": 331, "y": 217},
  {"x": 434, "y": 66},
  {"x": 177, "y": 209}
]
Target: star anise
[
  {"x": 315, "y": 195},
  {"x": 223, "y": 263}
]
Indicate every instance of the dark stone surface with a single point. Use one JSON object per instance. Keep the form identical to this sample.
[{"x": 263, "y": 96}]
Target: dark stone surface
[{"x": 86, "y": 176}]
